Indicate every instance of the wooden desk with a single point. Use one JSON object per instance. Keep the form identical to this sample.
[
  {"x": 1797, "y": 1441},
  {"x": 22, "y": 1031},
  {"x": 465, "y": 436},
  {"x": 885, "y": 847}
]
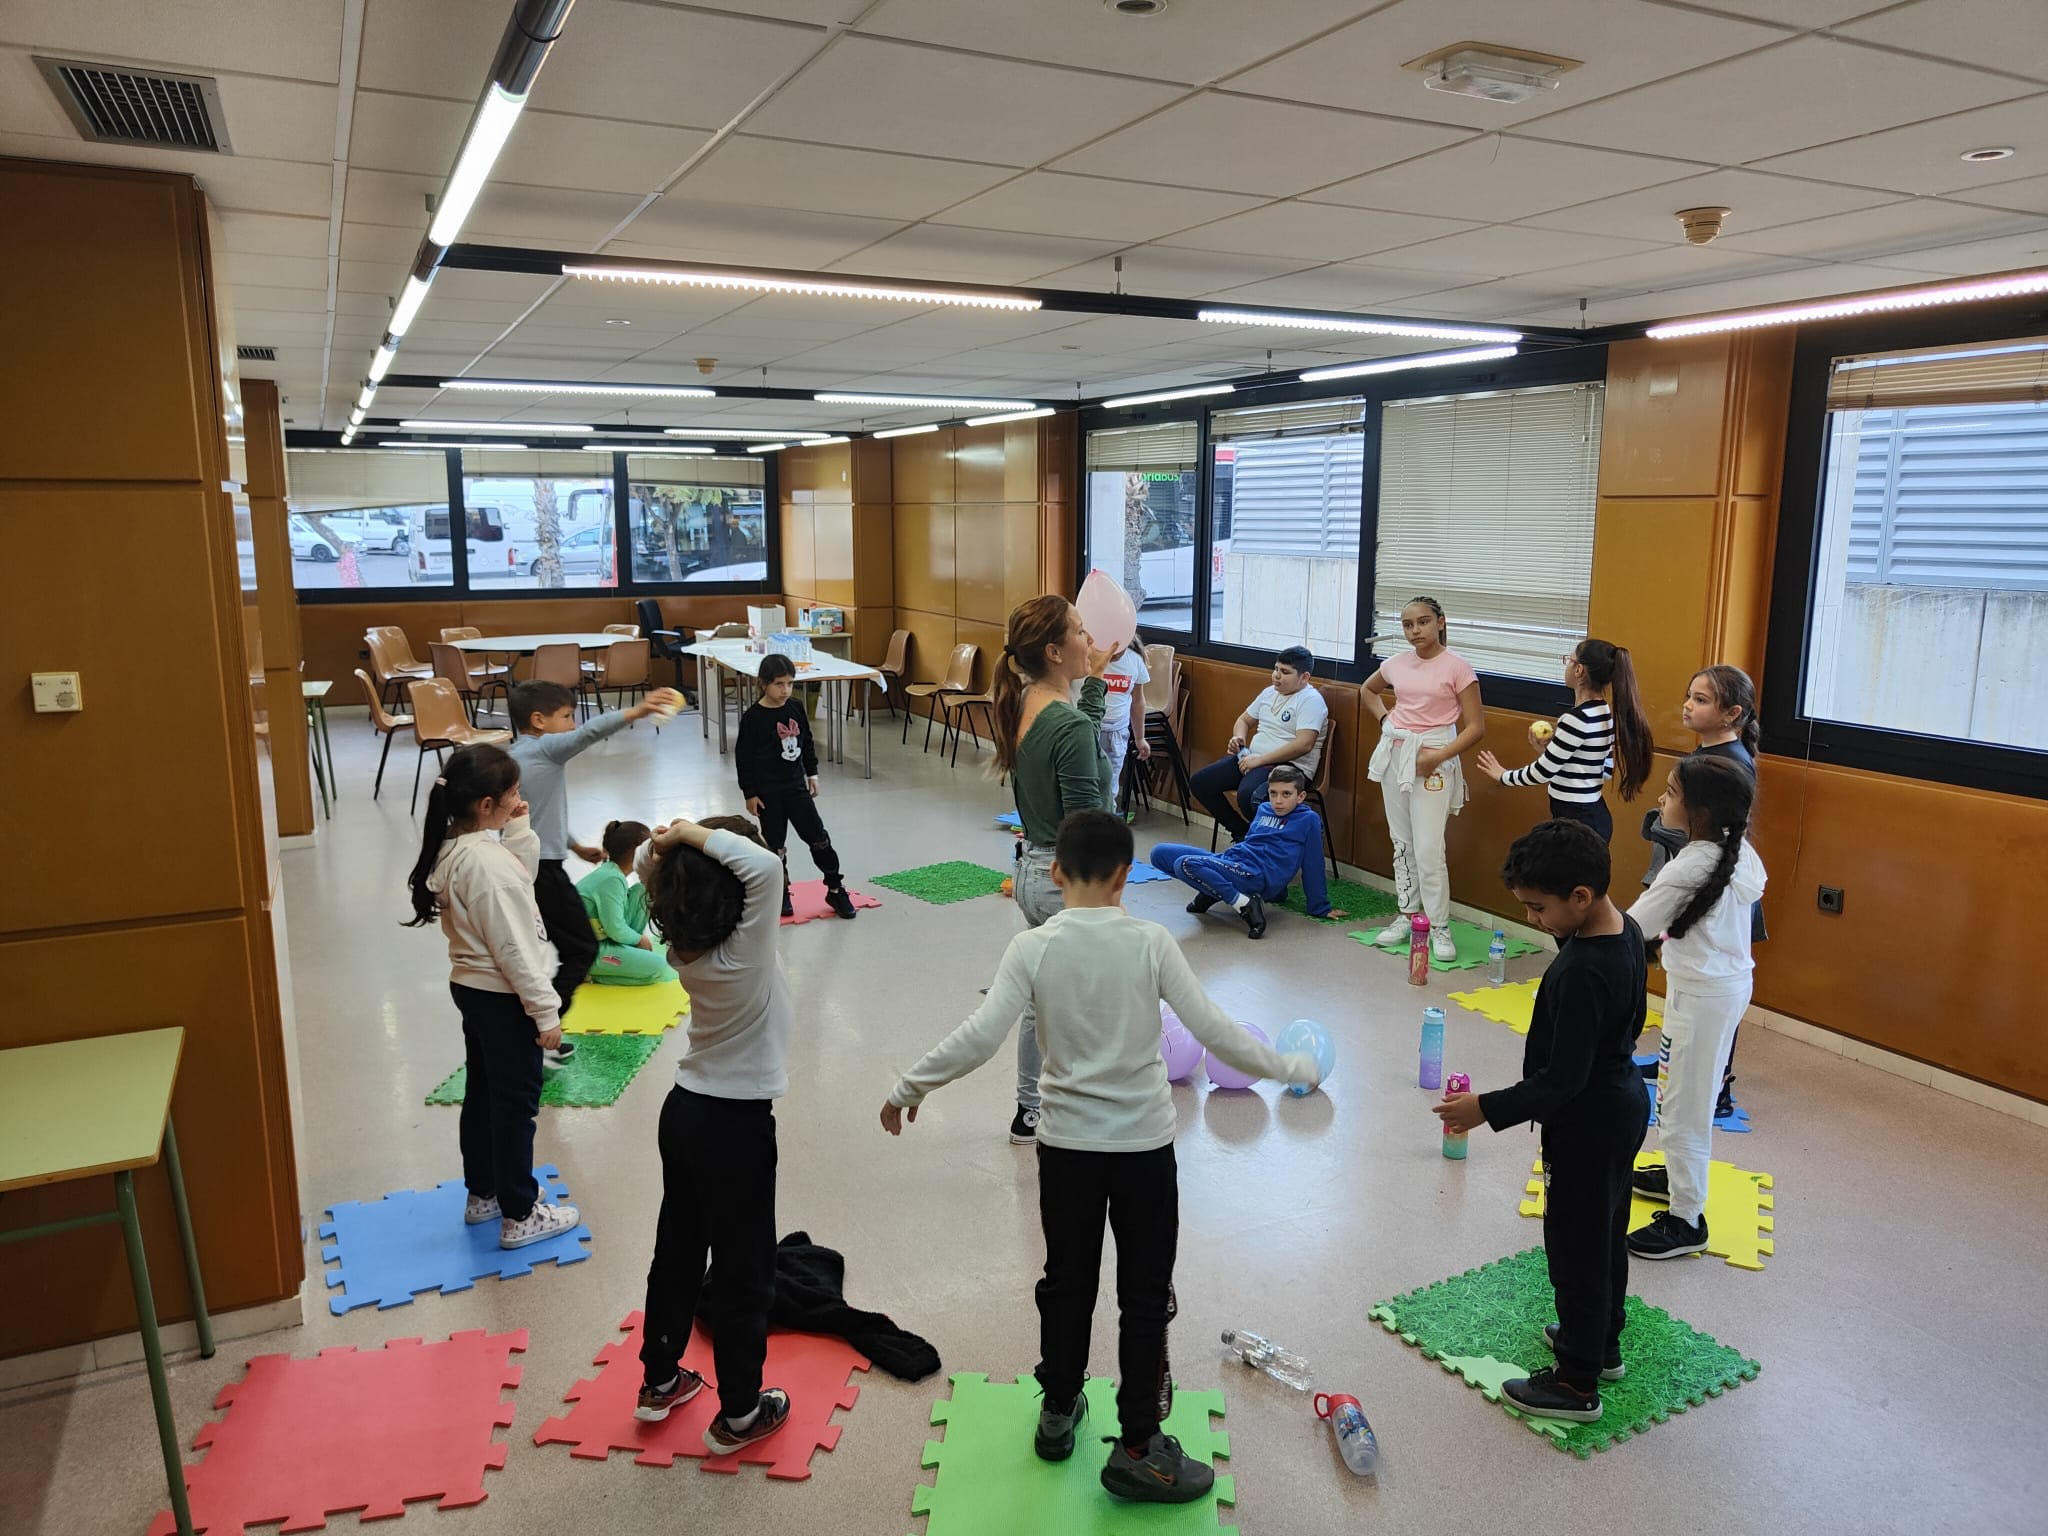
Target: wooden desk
[{"x": 78, "y": 1109}]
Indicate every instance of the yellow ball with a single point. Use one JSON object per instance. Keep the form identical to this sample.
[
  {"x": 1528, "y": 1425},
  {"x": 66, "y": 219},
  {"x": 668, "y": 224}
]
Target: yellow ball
[{"x": 1540, "y": 732}]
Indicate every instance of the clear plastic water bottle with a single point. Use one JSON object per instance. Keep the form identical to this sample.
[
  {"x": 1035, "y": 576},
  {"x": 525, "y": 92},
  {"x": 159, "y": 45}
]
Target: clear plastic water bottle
[
  {"x": 1431, "y": 1074},
  {"x": 1497, "y": 958},
  {"x": 1418, "y": 950},
  {"x": 1264, "y": 1355},
  {"x": 1356, "y": 1442},
  {"x": 1456, "y": 1143}
]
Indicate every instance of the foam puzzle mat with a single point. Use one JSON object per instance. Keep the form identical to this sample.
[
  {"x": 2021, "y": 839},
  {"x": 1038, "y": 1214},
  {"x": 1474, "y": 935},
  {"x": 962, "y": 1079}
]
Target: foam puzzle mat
[
  {"x": 942, "y": 884},
  {"x": 591, "y": 1079},
  {"x": 808, "y": 899},
  {"x": 812, "y": 1368},
  {"x": 599, "y": 1010},
  {"x": 1736, "y": 1121},
  {"x": 1740, "y": 1210},
  {"x": 362, "y": 1430},
  {"x": 991, "y": 1482},
  {"x": 1486, "y": 1326},
  {"x": 1359, "y": 902},
  {"x": 1472, "y": 941},
  {"x": 389, "y": 1250},
  {"x": 1514, "y": 1002}
]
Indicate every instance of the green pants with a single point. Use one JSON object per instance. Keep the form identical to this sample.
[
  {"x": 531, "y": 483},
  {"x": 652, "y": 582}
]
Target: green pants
[{"x": 623, "y": 965}]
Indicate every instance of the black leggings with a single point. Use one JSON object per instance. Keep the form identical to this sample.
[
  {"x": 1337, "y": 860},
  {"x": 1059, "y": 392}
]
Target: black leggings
[
  {"x": 568, "y": 925},
  {"x": 1596, "y": 815},
  {"x": 784, "y": 810}
]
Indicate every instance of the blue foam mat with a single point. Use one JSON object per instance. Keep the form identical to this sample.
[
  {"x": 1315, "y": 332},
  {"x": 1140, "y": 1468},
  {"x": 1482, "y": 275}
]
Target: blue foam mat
[
  {"x": 1736, "y": 1123},
  {"x": 1141, "y": 872},
  {"x": 414, "y": 1240}
]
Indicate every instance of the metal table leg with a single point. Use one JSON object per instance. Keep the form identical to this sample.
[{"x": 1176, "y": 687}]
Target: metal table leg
[
  {"x": 319, "y": 773},
  {"x": 153, "y": 1350},
  {"x": 175, "y": 1171},
  {"x": 867, "y": 723}
]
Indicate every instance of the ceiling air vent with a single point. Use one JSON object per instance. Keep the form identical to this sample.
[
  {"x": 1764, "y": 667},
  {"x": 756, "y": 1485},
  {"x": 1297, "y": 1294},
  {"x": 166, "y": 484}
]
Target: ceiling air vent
[
  {"x": 116, "y": 105},
  {"x": 256, "y": 354}
]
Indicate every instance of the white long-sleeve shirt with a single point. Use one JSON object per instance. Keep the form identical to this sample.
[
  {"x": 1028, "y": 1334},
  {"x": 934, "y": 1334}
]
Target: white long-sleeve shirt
[
  {"x": 1096, "y": 976},
  {"x": 483, "y": 882},
  {"x": 1714, "y": 954}
]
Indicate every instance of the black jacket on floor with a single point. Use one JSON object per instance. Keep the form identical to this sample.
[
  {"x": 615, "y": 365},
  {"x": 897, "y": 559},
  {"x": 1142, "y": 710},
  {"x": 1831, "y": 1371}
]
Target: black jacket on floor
[{"x": 810, "y": 1297}]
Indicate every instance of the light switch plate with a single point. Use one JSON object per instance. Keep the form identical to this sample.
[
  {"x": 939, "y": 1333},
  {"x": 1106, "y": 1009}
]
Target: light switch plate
[{"x": 57, "y": 693}]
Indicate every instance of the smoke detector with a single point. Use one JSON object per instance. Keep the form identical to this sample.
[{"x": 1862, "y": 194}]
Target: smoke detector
[
  {"x": 1135, "y": 7},
  {"x": 1488, "y": 72},
  {"x": 1701, "y": 225},
  {"x": 707, "y": 366}
]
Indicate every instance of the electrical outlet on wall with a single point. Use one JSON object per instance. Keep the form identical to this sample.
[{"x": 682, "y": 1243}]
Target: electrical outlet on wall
[{"x": 1831, "y": 898}]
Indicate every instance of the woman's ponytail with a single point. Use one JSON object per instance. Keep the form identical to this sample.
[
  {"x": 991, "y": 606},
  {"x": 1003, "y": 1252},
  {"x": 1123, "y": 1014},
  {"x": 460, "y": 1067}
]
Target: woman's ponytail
[{"x": 1033, "y": 626}]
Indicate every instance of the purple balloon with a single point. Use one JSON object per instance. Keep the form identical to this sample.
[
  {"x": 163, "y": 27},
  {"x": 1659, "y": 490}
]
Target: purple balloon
[
  {"x": 1223, "y": 1075},
  {"x": 1181, "y": 1051}
]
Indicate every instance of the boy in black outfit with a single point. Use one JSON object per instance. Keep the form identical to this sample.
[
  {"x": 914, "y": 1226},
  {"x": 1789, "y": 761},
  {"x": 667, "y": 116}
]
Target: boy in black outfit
[
  {"x": 778, "y": 766},
  {"x": 1580, "y": 1083}
]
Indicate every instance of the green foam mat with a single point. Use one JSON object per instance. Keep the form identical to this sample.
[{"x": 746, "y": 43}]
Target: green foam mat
[
  {"x": 939, "y": 884},
  {"x": 1486, "y": 1325},
  {"x": 1359, "y": 902},
  {"x": 1471, "y": 939},
  {"x": 991, "y": 1482},
  {"x": 594, "y": 1077}
]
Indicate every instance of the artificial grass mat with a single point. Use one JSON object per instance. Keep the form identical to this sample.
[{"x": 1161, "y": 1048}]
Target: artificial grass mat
[
  {"x": 1359, "y": 902},
  {"x": 1486, "y": 1325},
  {"x": 594, "y": 1077},
  {"x": 940, "y": 884},
  {"x": 1472, "y": 942}
]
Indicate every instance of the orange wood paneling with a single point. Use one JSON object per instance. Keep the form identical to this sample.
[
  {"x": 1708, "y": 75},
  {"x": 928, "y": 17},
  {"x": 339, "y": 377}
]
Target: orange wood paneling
[
  {"x": 1651, "y": 559},
  {"x": 799, "y": 547},
  {"x": 1059, "y": 458},
  {"x": 874, "y": 554},
  {"x": 979, "y": 539},
  {"x": 874, "y": 479},
  {"x": 1762, "y": 411},
  {"x": 924, "y": 553},
  {"x": 1020, "y": 520},
  {"x": 987, "y": 636},
  {"x": 832, "y": 549},
  {"x": 824, "y": 474},
  {"x": 931, "y": 642},
  {"x": 291, "y": 773},
  {"x": 981, "y": 465},
  {"x": 1661, "y": 432},
  {"x": 871, "y": 630},
  {"x": 1021, "y": 470},
  {"x": 1751, "y": 529},
  {"x": 923, "y": 468}
]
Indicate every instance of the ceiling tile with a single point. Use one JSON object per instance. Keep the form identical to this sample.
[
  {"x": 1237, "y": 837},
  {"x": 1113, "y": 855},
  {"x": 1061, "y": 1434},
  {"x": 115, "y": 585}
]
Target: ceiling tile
[
  {"x": 2029, "y": 195},
  {"x": 385, "y": 277},
  {"x": 1161, "y": 269},
  {"x": 1816, "y": 282},
  {"x": 970, "y": 255},
  {"x": 279, "y": 119},
  {"x": 1505, "y": 250},
  {"x": 547, "y": 149},
  {"x": 823, "y": 178},
  {"x": 741, "y": 234},
  {"x": 398, "y": 201},
  {"x": 1498, "y": 177},
  {"x": 230, "y": 181},
  {"x": 1892, "y": 230},
  {"x": 362, "y": 241},
  {"x": 270, "y": 327},
  {"x": 27, "y": 104},
  {"x": 1093, "y": 207},
  {"x": 1672, "y": 267},
  {"x": 1755, "y": 202},
  {"x": 1321, "y": 230},
  {"x": 546, "y": 216},
  {"x": 1805, "y": 92},
  {"x": 308, "y": 272},
  {"x": 296, "y": 38},
  {"x": 884, "y": 95},
  {"x": 1505, "y": 297},
  {"x": 272, "y": 234},
  {"x": 2011, "y": 35},
  {"x": 1346, "y": 285},
  {"x": 1927, "y": 157},
  {"x": 512, "y": 291},
  {"x": 439, "y": 50},
  {"x": 2003, "y": 254},
  {"x": 1803, "y": 14},
  {"x": 1623, "y": 43},
  {"x": 1242, "y": 144}
]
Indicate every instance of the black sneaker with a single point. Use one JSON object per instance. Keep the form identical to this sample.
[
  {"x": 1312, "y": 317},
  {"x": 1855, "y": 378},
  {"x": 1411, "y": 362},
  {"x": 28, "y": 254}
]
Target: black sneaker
[
  {"x": 1724, "y": 1106},
  {"x": 837, "y": 899},
  {"x": 655, "y": 1402},
  {"x": 1667, "y": 1237},
  {"x": 1254, "y": 915},
  {"x": 559, "y": 1055},
  {"x": 1162, "y": 1475},
  {"x": 1201, "y": 904},
  {"x": 1611, "y": 1369},
  {"x": 1544, "y": 1396},
  {"x": 1653, "y": 1183},
  {"x": 788, "y": 908},
  {"x": 723, "y": 1440},
  {"x": 1024, "y": 1127},
  {"x": 1647, "y": 1070},
  {"x": 1055, "y": 1438}
]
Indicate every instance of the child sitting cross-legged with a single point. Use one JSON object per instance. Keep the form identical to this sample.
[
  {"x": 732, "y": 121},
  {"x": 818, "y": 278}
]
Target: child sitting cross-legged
[
  {"x": 627, "y": 955},
  {"x": 1285, "y": 840}
]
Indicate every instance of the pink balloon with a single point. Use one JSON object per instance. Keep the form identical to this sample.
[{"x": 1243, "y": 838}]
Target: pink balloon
[
  {"x": 1181, "y": 1051},
  {"x": 1223, "y": 1075},
  {"x": 1106, "y": 611}
]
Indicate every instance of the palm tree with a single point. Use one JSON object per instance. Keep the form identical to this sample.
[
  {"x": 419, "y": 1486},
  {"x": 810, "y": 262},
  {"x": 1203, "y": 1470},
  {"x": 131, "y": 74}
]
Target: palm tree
[
  {"x": 547, "y": 518},
  {"x": 1135, "y": 508}
]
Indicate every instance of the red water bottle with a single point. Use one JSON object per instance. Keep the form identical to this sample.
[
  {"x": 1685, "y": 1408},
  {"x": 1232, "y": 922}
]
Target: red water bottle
[{"x": 1418, "y": 950}]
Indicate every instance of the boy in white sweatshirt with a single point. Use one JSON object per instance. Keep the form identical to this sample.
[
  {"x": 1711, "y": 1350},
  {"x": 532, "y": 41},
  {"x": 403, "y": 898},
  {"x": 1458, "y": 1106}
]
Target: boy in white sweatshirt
[
  {"x": 1105, "y": 1139},
  {"x": 475, "y": 873}
]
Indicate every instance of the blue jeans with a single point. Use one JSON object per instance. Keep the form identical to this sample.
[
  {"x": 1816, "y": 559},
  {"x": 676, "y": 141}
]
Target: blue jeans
[
  {"x": 1212, "y": 783},
  {"x": 1211, "y": 874}
]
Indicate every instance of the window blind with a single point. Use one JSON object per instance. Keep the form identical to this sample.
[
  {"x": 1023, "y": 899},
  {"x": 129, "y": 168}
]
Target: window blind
[
  {"x": 2013, "y": 371},
  {"x": 1168, "y": 445},
  {"x": 1486, "y": 504},
  {"x": 1309, "y": 417}
]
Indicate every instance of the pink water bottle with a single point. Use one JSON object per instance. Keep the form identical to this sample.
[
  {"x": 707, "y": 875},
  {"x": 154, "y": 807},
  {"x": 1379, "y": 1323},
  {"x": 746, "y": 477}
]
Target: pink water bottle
[
  {"x": 1418, "y": 950},
  {"x": 1455, "y": 1141}
]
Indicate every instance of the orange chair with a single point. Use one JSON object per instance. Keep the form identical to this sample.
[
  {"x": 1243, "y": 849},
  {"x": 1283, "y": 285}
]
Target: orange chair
[
  {"x": 472, "y": 681},
  {"x": 627, "y": 631},
  {"x": 893, "y": 668},
  {"x": 958, "y": 679},
  {"x": 455, "y": 632},
  {"x": 440, "y": 723},
  {"x": 391, "y": 672},
  {"x": 623, "y": 669},
  {"x": 383, "y": 721},
  {"x": 562, "y": 663}
]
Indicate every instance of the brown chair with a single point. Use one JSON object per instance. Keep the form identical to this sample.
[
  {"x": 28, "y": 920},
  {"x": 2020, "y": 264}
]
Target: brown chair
[
  {"x": 1164, "y": 712},
  {"x": 894, "y": 666},
  {"x": 958, "y": 709},
  {"x": 731, "y": 631},
  {"x": 562, "y": 663},
  {"x": 383, "y": 721},
  {"x": 391, "y": 673},
  {"x": 624, "y": 669},
  {"x": 399, "y": 649},
  {"x": 626, "y": 631},
  {"x": 958, "y": 679},
  {"x": 1312, "y": 796},
  {"x": 456, "y": 632},
  {"x": 473, "y": 681},
  {"x": 440, "y": 723}
]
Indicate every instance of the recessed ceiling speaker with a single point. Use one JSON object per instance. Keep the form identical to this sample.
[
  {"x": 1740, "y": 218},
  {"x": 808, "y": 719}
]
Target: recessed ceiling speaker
[
  {"x": 1701, "y": 225},
  {"x": 1135, "y": 7}
]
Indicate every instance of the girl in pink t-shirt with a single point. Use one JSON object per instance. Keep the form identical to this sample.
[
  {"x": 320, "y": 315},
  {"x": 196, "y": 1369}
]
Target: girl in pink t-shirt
[{"x": 1435, "y": 715}]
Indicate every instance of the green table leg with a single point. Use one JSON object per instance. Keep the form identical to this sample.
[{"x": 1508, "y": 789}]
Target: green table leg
[
  {"x": 152, "y": 1350},
  {"x": 327, "y": 747},
  {"x": 319, "y": 773},
  {"x": 176, "y": 1173}
]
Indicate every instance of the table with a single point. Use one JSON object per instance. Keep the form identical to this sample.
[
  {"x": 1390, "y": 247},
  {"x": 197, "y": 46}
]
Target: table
[
  {"x": 81, "y": 1108},
  {"x": 829, "y": 672},
  {"x": 315, "y": 695},
  {"x": 526, "y": 645}
]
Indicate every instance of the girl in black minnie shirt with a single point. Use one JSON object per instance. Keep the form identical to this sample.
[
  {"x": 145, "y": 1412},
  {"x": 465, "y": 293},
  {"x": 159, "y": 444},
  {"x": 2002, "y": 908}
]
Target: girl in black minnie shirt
[{"x": 778, "y": 767}]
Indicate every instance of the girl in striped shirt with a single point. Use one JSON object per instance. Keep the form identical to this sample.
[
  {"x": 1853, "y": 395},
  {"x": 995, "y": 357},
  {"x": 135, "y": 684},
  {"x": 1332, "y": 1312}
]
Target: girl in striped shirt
[{"x": 1606, "y": 721}]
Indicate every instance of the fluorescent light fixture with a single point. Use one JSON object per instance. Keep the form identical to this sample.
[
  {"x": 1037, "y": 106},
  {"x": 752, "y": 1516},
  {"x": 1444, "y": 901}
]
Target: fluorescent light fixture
[
  {"x": 989, "y": 421},
  {"x": 410, "y": 298},
  {"x": 821, "y": 287},
  {"x": 1167, "y": 394},
  {"x": 401, "y": 442},
  {"x": 930, "y": 426},
  {"x": 355, "y": 417},
  {"x": 363, "y": 400},
  {"x": 822, "y": 442},
  {"x": 648, "y": 448},
  {"x": 548, "y": 387},
  {"x": 380, "y": 362},
  {"x": 551, "y": 428},
  {"x": 924, "y": 402},
  {"x": 1427, "y": 330},
  {"x": 811, "y": 434},
  {"x": 492, "y": 125},
  {"x": 768, "y": 447},
  {"x": 348, "y": 436},
  {"x": 2004, "y": 286},
  {"x": 1402, "y": 364}
]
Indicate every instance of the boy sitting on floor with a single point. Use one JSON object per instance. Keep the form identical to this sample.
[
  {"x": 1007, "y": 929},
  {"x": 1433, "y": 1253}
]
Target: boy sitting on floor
[{"x": 1284, "y": 840}]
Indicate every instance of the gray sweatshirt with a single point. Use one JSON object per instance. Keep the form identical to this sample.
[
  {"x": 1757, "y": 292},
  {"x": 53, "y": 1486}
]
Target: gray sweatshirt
[
  {"x": 483, "y": 882},
  {"x": 544, "y": 776}
]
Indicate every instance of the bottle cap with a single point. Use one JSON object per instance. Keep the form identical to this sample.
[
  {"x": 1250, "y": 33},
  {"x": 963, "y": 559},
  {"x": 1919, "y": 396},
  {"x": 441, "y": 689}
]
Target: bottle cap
[
  {"x": 1457, "y": 1082},
  {"x": 1327, "y": 1404}
]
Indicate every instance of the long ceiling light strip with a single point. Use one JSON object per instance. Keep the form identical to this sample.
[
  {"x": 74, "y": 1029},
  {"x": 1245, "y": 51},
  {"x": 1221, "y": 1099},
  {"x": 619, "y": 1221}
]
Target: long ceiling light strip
[
  {"x": 765, "y": 282},
  {"x": 1403, "y": 364},
  {"x": 643, "y": 450},
  {"x": 2003, "y": 286},
  {"x": 1167, "y": 394},
  {"x": 768, "y": 447},
  {"x": 550, "y": 428},
  {"x": 809, "y": 434},
  {"x": 550, "y": 387},
  {"x": 930, "y": 426},
  {"x": 990, "y": 421},
  {"x": 1428, "y": 330},
  {"x": 922, "y": 402},
  {"x": 488, "y": 131},
  {"x": 405, "y": 442}
]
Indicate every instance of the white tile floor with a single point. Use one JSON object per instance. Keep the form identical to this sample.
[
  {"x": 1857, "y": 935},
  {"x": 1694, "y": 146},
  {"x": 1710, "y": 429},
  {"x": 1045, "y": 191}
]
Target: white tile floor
[{"x": 1902, "y": 1326}]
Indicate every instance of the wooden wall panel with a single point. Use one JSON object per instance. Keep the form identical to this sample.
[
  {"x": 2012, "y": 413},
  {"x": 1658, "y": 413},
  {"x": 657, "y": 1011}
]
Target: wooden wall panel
[
  {"x": 924, "y": 554},
  {"x": 981, "y": 467},
  {"x": 874, "y": 554},
  {"x": 1651, "y": 559},
  {"x": 931, "y": 642},
  {"x": 817, "y": 474},
  {"x": 874, "y": 471},
  {"x": 923, "y": 470},
  {"x": 277, "y": 604},
  {"x": 1661, "y": 432},
  {"x": 799, "y": 553},
  {"x": 1020, "y": 533},
  {"x": 980, "y": 543},
  {"x": 871, "y": 631},
  {"x": 989, "y": 637},
  {"x": 832, "y": 551}
]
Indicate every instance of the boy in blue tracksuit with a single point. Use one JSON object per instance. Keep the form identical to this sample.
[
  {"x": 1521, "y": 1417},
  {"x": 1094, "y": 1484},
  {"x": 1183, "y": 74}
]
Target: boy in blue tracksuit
[{"x": 1285, "y": 840}]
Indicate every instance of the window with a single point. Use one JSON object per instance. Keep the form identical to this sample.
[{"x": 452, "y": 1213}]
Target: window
[
  {"x": 697, "y": 519},
  {"x": 538, "y": 521},
  {"x": 1288, "y": 486},
  {"x": 1143, "y": 490},
  {"x": 368, "y": 519},
  {"x": 1930, "y": 597},
  {"x": 1486, "y": 504}
]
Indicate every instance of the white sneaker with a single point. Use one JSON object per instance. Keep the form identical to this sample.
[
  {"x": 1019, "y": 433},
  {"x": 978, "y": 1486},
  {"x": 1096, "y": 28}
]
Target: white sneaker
[
  {"x": 541, "y": 1223},
  {"x": 1396, "y": 932},
  {"x": 480, "y": 1209},
  {"x": 1441, "y": 947}
]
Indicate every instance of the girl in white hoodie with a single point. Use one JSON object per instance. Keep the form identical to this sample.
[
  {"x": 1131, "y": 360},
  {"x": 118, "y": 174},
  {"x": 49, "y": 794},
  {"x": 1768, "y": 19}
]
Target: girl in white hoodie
[
  {"x": 475, "y": 873},
  {"x": 1700, "y": 902}
]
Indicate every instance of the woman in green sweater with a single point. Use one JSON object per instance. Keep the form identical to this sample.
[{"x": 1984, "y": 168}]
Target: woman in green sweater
[
  {"x": 627, "y": 955},
  {"x": 1047, "y": 744}
]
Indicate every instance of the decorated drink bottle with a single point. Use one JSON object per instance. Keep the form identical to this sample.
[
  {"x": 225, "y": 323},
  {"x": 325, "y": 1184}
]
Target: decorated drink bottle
[
  {"x": 1455, "y": 1141},
  {"x": 1431, "y": 1074},
  {"x": 1418, "y": 950},
  {"x": 1355, "y": 1439}
]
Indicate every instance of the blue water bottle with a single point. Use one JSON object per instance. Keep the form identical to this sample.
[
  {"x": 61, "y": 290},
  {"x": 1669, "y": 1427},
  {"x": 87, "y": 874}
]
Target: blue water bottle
[
  {"x": 1497, "y": 958},
  {"x": 1432, "y": 1073}
]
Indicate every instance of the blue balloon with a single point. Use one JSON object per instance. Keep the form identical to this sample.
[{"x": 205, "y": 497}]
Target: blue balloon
[{"x": 1310, "y": 1039}]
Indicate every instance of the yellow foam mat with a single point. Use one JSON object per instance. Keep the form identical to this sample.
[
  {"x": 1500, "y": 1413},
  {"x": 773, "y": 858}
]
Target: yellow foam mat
[
  {"x": 1515, "y": 1002},
  {"x": 1739, "y": 1210},
  {"x": 626, "y": 1010}
]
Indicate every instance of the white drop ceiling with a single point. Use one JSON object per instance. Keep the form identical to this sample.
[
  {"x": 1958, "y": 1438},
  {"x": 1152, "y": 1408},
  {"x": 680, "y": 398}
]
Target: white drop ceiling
[{"x": 1272, "y": 153}]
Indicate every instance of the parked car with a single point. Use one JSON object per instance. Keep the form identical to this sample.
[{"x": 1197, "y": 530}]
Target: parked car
[
  {"x": 584, "y": 553},
  {"x": 431, "y": 558},
  {"x": 379, "y": 531},
  {"x": 307, "y": 544}
]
